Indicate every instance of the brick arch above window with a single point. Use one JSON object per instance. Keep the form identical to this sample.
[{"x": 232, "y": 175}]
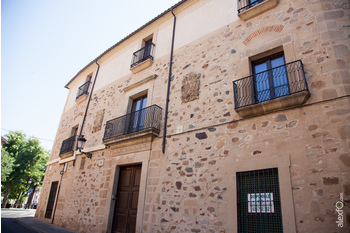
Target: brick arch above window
[{"x": 273, "y": 28}]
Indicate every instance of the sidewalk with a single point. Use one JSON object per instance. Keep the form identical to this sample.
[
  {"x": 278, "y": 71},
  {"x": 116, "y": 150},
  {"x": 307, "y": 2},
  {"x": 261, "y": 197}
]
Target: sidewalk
[{"x": 42, "y": 226}]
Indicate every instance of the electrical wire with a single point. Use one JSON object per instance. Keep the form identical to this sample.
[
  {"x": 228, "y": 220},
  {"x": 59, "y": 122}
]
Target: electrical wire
[{"x": 44, "y": 139}]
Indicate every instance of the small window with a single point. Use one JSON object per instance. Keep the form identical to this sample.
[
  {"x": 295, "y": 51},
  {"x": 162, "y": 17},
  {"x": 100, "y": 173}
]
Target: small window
[
  {"x": 69, "y": 144},
  {"x": 74, "y": 131},
  {"x": 143, "y": 58},
  {"x": 148, "y": 49},
  {"x": 258, "y": 201},
  {"x": 83, "y": 90}
]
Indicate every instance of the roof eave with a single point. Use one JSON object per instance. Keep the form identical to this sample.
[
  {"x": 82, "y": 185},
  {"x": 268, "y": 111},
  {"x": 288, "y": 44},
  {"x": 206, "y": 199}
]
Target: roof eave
[{"x": 125, "y": 38}]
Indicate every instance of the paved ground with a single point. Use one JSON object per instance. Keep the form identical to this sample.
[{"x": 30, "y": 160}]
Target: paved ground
[
  {"x": 22, "y": 220},
  {"x": 17, "y": 213},
  {"x": 10, "y": 224}
]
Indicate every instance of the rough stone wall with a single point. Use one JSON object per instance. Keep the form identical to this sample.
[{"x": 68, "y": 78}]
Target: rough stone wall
[
  {"x": 190, "y": 187},
  {"x": 84, "y": 195},
  {"x": 197, "y": 175},
  {"x": 52, "y": 174}
]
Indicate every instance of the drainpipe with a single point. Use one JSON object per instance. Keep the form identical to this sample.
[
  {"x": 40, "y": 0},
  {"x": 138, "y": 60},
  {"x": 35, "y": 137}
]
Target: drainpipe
[
  {"x": 169, "y": 80},
  {"x": 88, "y": 103}
]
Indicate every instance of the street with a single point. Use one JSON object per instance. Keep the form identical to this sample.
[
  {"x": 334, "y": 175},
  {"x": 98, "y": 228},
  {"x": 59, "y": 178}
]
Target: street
[{"x": 9, "y": 224}]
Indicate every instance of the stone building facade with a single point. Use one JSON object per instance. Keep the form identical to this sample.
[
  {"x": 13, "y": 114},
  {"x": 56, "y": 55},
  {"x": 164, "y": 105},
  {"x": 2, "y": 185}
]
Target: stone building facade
[{"x": 257, "y": 124}]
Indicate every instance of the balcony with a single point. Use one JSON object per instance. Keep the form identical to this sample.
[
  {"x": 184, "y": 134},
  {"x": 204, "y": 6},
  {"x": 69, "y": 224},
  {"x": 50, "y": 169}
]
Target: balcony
[
  {"x": 83, "y": 92},
  {"x": 278, "y": 88},
  {"x": 68, "y": 145},
  {"x": 248, "y": 9},
  {"x": 140, "y": 123},
  {"x": 142, "y": 58}
]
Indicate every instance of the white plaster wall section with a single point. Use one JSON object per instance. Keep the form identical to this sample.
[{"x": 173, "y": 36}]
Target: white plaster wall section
[
  {"x": 73, "y": 90},
  {"x": 115, "y": 67},
  {"x": 204, "y": 20}
]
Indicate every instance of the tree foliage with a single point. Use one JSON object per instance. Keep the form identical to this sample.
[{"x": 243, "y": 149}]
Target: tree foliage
[
  {"x": 6, "y": 164},
  {"x": 29, "y": 160}
]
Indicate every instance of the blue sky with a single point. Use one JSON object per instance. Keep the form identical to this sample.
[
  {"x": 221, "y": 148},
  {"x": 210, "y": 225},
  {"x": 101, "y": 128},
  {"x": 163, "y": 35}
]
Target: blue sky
[{"x": 44, "y": 43}]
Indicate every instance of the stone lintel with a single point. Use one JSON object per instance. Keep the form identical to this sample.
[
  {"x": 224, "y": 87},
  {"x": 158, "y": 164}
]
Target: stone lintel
[
  {"x": 68, "y": 159},
  {"x": 139, "y": 83},
  {"x": 53, "y": 161}
]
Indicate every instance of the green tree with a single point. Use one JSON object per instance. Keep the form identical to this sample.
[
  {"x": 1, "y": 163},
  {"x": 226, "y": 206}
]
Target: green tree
[
  {"x": 6, "y": 164},
  {"x": 29, "y": 164}
]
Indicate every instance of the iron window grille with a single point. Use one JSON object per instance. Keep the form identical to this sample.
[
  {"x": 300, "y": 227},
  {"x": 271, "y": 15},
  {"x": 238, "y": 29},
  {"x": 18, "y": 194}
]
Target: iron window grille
[
  {"x": 244, "y": 5},
  {"x": 142, "y": 55},
  {"x": 67, "y": 145},
  {"x": 83, "y": 89},
  {"x": 147, "y": 118},
  {"x": 258, "y": 201},
  {"x": 51, "y": 200},
  {"x": 271, "y": 84}
]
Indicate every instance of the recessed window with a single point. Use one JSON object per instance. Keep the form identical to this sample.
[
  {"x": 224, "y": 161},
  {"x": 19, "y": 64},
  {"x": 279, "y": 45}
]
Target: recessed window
[
  {"x": 143, "y": 58},
  {"x": 273, "y": 84},
  {"x": 139, "y": 121},
  {"x": 68, "y": 145},
  {"x": 270, "y": 78},
  {"x": 137, "y": 115},
  {"x": 258, "y": 201},
  {"x": 83, "y": 90}
]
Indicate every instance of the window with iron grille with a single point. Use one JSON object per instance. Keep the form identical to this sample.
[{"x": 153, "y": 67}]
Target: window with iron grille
[
  {"x": 244, "y": 5},
  {"x": 272, "y": 78},
  {"x": 143, "y": 54},
  {"x": 258, "y": 201},
  {"x": 51, "y": 200},
  {"x": 84, "y": 89}
]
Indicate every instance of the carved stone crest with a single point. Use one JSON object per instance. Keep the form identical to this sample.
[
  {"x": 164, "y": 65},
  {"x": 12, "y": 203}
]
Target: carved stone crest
[
  {"x": 98, "y": 120},
  {"x": 190, "y": 87}
]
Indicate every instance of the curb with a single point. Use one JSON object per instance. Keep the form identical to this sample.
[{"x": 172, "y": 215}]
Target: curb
[{"x": 29, "y": 226}]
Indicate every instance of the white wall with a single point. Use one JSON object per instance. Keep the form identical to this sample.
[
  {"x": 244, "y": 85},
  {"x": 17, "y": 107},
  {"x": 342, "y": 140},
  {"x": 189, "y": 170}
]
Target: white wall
[{"x": 193, "y": 22}]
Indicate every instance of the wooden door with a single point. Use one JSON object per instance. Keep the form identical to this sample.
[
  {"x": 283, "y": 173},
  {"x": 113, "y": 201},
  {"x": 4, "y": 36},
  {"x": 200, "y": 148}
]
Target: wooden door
[{"x": 125, "y": 212}]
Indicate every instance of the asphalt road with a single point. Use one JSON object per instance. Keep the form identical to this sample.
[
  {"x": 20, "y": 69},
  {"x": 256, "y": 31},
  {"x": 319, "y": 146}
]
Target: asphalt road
[{"x": 9, "y": 224}]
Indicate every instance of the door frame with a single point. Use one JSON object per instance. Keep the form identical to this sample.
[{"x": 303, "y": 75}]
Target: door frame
[
  {"x": 138, "y": 158},
  {"x": 115, "y": 194}
]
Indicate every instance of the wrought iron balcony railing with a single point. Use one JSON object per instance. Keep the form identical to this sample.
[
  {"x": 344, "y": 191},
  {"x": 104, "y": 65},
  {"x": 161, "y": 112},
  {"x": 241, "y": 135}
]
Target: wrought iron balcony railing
[
  {"x": 244, "y": 5},
  {"x": 271, "y": 84},
  {"x": 68, "y": 145},
  {"x": 142, "y": 55},
  {"x": 83, "y": 89},
  {"x": 147, "y": 118}
]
